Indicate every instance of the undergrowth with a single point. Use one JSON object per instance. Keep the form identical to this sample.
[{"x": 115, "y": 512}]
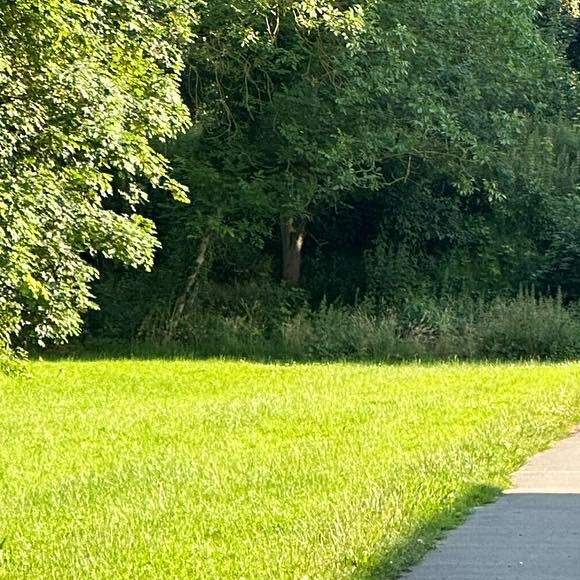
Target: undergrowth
[{"x": 285, "y": 326}]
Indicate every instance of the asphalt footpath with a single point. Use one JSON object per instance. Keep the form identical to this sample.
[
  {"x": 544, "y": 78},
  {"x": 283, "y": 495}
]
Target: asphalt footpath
[{"x": 532, "y": 532}]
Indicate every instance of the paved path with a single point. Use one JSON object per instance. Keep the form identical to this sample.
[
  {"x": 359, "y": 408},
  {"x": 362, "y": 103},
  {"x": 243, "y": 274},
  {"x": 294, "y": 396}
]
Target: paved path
[{"x": 531, "y": 533}]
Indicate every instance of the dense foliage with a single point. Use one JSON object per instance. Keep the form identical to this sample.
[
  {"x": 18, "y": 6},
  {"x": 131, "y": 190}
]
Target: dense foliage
[
  {"x": 432, "y": 100},
  {"x": 399, "y": 154},
  {"x": 402, "y": 153},
  {"x": 84, "y": 88}
]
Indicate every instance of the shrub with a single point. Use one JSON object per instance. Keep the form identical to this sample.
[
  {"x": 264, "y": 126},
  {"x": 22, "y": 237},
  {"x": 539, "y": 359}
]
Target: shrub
[
  {"x": 277, "y": 322},
  {"x": 527, "y": 326},
  {"x": 341, "y": 332}
]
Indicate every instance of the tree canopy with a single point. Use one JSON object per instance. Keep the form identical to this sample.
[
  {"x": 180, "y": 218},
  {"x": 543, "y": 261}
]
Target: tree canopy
[
  {"x": 378, "y": 147},
  {"x": 297, "y": 105},
  {"x": 85, "y": 88}
]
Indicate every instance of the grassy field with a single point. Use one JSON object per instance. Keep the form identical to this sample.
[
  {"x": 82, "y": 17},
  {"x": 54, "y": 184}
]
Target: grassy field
[{"x": 177, "y": 470}]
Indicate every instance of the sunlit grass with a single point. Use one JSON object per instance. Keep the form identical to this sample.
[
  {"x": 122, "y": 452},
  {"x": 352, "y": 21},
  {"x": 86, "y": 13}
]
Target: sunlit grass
[{"x": 177, "y": 470}]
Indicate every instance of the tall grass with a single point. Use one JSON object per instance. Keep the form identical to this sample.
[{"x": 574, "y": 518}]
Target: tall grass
[{"x": 525, "y": 326}]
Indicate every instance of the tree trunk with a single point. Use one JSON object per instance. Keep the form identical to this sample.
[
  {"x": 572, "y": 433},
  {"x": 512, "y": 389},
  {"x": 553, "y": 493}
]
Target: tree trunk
[
  {"x": 184, "y": 297},
  {"x": 292, "y": 242}
]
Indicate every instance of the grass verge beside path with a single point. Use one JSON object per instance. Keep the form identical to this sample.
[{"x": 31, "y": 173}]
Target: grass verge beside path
[{"x": 178, "y": 469}]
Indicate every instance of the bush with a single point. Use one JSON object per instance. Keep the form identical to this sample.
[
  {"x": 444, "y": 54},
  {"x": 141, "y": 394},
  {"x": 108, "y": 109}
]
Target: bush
[
  {"x": 277, "y": 322},
  {"x": 12, "y": 361},
  {"x": 333, "y": 332},
  {"x": 527, "y": 326}
]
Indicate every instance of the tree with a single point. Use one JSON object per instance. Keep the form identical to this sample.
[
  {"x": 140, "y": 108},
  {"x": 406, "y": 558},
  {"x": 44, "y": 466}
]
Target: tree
[
  {"x": 85, "y": 87},
  {"x": 304, "y": 102},
  {"x": 428, "y": 129},
  {"x": 285, "y": 97}
]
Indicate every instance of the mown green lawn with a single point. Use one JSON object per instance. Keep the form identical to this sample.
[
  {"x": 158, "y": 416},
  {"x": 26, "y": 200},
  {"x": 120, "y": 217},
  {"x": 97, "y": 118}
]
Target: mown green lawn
[{"x": 176, "y": 470}]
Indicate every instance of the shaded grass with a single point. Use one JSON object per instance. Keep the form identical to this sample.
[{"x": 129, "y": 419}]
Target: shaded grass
[{"x": 181, "y": 469}]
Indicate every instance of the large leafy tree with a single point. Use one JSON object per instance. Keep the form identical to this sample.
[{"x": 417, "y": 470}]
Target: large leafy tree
[
  {"x": 85, "y": 87},
  {"x": 297, "y": 103},
  {"x": 285, "y": 96}
]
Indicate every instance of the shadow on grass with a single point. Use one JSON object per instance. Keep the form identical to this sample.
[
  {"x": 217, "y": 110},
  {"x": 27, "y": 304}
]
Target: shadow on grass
[
  {"x": 112, "y": 350},
  {"x": 391, "y": 564},
  {"x": 271, "y": 353}
]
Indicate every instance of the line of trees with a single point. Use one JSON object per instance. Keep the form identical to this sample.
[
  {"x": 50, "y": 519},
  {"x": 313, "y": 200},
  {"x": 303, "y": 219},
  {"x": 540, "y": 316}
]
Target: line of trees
[{"x": 349, "y": 149}]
